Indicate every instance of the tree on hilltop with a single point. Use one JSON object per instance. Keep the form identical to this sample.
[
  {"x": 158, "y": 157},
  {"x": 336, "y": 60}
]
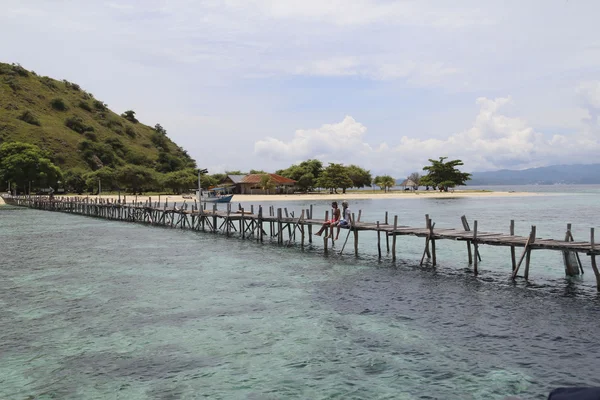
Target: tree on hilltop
[
  {"x": 158, "y": 128},
  {"x": 130, "y": 116}
]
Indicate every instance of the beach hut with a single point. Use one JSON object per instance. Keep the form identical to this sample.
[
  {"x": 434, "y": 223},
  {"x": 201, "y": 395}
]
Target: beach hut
[{"x": 409, "y": 184}]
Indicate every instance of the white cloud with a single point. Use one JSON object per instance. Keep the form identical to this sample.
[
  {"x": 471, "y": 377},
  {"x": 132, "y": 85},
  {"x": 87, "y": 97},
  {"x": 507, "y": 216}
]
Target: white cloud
[
  {"x": 493, "y": 141},
  {"x": 330, "y": 140}
]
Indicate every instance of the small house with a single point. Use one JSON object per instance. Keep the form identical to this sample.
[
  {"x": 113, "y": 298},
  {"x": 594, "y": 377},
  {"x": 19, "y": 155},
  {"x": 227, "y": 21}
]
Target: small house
[{"x": 251, "y": 184}]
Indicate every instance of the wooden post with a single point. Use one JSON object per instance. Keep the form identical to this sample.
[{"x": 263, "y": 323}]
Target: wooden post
[
  {"x": 475, "y": 247},
  {"x": 279, "y": 227},
  {"x": 570, "y": 269},
  {"x": 378, "y": 241},
  {"x": 387, "y": 237},
  {"x": 215, "y": 227},
  {"x": 566, "y": 260},
  {"x": 310, "y": 215},
  {"x": 271, "y": 222},
  {"x": 432, "y": 240},
  {"x": 528, "y": 258},
  {"x": 202, "y": 217},
  {"x": 512, "y": 248},
  {"x": 242, "y": 225},
  {"x": 427, "y": 222},
  {"x": 466, "y": 227},
  {"x": 325, "y": 240},
  {"x": 288, "y": 224},
  {"x": 355, "y": 229},
  {"x": 593, "y": 257},
  {"x": 394, "y": 238},
  {"x": 260, "y": 223},
  {"x": 302, "y": 229},
  {"x": 227, "y": 220}
]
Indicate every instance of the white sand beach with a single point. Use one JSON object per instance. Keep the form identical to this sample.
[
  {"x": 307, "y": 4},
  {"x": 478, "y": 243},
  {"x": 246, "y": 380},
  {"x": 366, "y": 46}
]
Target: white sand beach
[
  {"x": 246, "y": 198},
  {"x": 375, "y": 196}
]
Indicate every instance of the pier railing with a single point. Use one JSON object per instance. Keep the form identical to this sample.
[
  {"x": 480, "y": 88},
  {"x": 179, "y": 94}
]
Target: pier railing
[{"x": 286, "y": 227}]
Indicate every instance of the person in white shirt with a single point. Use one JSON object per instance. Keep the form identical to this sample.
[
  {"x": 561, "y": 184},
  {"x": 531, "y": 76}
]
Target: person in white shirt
[{"x": 346, "y": 219}]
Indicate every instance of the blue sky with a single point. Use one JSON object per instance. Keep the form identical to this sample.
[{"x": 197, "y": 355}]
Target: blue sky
[{"x": 383, "y": 84}]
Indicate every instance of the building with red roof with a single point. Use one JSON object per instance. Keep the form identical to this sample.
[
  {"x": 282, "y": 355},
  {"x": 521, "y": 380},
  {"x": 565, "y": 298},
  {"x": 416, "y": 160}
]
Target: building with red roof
[{"x": 251, "y": 184}]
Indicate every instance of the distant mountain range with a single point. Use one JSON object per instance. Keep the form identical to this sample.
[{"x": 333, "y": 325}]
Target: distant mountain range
[{"x": 566, "y": 174}]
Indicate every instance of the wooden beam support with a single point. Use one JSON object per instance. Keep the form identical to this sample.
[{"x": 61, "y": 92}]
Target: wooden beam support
[
  {"x": 528, "y": 257},
  {"x": 355, "y": 234},
  {"x": 513, "y": 259},
  {"x": 475, "y": 248},
  {"x": 378, "y": 241},
  {"x": 593, "y": 257},
  {"x": 394, "y": 238},
  {"x": 432, "y": 240}
]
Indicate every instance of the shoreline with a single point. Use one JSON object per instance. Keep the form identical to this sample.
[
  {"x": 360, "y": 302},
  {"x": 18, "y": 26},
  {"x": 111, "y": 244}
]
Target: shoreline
[
  {"x": 376, "y": 196},
  {"x": 249, "y": 198}
]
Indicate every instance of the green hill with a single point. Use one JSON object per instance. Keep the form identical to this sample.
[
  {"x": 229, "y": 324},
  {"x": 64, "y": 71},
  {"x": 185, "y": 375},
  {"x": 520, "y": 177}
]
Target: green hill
[{"x": 78, "y": 132}]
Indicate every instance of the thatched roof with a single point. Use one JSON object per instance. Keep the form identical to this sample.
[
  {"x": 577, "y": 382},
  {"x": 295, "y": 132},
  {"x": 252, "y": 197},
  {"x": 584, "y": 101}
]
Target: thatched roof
[{"x": 408, "y": 182}]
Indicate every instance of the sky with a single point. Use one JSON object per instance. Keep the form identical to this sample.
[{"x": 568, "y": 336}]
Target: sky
[{"x": 387, "y": 85}]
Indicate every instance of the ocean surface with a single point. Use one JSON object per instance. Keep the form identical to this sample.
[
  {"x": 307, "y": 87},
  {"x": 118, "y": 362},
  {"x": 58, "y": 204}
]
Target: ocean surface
[{"x": 94, "y": 309}]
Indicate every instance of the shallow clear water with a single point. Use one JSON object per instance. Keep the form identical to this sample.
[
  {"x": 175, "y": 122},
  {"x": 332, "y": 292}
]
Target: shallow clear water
[{"x": 93, "y": 309}]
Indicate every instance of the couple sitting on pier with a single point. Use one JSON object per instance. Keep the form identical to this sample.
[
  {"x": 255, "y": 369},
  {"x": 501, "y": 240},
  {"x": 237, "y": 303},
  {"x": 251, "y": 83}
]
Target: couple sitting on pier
[{"x": 344, "y": 222}]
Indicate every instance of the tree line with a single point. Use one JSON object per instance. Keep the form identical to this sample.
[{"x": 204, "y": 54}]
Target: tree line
[{"x": 26, "y": 166}]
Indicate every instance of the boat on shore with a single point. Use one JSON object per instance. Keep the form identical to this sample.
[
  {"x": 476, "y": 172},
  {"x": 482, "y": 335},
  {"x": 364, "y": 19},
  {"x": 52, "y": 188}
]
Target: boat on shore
[{"x": 216, "y": 195}]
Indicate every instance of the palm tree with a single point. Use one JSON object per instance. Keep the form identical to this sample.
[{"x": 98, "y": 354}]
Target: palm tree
[{"x": 385, "y": 182}]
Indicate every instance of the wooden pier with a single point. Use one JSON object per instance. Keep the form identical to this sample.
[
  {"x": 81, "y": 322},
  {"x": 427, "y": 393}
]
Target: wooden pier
[{"x": 286, "y": 228}]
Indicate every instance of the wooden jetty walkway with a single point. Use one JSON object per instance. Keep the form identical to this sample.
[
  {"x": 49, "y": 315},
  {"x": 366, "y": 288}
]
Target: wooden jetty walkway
[{"x": 286, "y": 227}]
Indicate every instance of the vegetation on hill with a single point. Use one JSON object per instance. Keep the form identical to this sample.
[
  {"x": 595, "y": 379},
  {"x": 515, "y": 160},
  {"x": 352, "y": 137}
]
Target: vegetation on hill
[{"x": 83, "y": 138}]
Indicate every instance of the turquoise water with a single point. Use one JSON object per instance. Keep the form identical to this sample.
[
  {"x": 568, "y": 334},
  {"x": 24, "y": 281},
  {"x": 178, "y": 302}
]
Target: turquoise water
[{"x": 94, "y": 309}]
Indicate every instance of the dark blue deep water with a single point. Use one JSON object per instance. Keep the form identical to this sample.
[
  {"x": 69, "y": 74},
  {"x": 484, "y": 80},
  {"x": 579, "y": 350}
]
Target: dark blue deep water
[{"x": 94, "y": 309}]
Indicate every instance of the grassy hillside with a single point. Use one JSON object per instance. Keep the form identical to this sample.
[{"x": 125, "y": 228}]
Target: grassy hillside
[{"x": 77, "y": 130}]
